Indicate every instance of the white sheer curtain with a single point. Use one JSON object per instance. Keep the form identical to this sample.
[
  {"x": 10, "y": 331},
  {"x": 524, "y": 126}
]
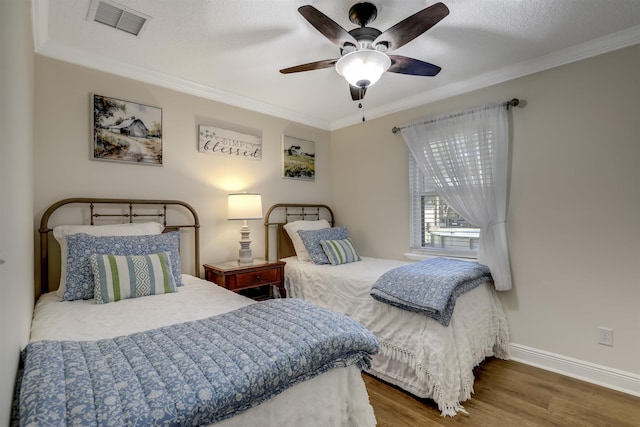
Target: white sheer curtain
[{"x": 467, "y": 157}]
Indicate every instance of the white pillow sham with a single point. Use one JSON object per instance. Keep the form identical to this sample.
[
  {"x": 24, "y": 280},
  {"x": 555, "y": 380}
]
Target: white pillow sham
[
  {"x": 292, "y": 230},
  {"x": 128, "y": 229}
]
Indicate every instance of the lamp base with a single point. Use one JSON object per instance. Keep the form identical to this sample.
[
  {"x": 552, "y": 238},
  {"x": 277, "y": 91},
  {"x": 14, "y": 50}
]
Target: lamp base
[{"x": 244, "y": 254}]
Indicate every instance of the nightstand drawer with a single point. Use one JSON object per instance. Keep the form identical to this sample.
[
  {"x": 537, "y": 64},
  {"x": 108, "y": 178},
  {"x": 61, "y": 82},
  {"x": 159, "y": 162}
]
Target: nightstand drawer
[
  {"x": 250, "y": 279},
  {"x": 256, "y": 277}
]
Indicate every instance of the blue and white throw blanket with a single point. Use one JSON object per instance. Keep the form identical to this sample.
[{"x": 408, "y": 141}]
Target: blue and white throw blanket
[
  {"x": 192, "y": 373},
  {"x": 431, "y": 286}
]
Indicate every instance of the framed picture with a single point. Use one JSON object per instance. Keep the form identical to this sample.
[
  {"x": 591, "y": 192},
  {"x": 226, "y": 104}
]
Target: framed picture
[
  {"x": 298, "y": 158},
  {"x": 126, "y": 132}
]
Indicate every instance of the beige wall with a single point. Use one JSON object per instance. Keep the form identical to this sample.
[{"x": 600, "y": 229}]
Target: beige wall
[
  {"x": 573, "y": 211},
  {"x": 16, "y": 192},
  {"x": 63, "y": 168}
]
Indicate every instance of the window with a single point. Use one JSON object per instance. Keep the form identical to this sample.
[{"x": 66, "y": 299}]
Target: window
[{"x": 435, "y": 227}]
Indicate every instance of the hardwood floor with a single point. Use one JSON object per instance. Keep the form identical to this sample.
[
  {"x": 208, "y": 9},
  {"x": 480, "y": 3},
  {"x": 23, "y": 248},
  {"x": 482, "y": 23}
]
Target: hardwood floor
[{"x": 509, "y": 393}]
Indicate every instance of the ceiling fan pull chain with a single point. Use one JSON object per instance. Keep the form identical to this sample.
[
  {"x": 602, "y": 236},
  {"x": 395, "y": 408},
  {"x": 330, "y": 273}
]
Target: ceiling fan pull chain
[{"x": 361, "y": 106}]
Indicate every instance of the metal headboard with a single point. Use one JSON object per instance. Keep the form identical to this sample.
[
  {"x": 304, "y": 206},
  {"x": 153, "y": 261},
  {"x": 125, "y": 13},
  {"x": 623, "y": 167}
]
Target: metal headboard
[
  {"x": 282, "y": 213},
  {"x": 131, "y": 209}
]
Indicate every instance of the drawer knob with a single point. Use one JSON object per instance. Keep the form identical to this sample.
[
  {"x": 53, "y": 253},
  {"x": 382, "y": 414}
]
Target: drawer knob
[{"x": 258, "y": 277}]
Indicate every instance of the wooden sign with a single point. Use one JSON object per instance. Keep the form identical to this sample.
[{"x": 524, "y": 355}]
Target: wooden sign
[{"x": 223, "y": 142}]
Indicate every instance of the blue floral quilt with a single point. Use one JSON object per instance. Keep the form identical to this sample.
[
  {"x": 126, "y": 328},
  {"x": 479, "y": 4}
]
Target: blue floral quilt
[
  {"x": 430, "y": 287},
  {"x": 192, "y": 373}
]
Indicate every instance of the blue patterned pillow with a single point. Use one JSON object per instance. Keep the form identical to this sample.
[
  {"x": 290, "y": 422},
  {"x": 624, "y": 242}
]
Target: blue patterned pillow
[
  {"x": 339, "y": 251},
  {"x": 79, "y": 280},
  {"x": 119, "y": 277},
  {"x": 312, "y": 238}
]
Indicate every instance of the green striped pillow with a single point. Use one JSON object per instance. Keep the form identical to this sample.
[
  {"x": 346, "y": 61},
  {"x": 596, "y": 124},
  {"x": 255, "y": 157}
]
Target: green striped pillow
[
  {"x": 339, "y": 251},
  {"x": 121, "y": 277}
]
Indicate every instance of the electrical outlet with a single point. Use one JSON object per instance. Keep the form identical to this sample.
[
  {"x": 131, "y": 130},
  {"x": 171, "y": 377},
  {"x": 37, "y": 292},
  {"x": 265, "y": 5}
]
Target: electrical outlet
[{"x": 606, "y": 336}]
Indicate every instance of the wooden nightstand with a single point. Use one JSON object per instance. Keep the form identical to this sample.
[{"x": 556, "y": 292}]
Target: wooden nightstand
[{"x": 252, "y": 280}]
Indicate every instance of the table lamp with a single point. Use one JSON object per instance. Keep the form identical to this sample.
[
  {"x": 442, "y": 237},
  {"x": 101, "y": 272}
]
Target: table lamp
[{"x": 245, "y": 206}]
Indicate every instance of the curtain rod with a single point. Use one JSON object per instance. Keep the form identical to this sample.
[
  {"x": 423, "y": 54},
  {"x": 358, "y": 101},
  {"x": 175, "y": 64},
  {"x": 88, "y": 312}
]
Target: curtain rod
[{"x": 511, "y": 103}]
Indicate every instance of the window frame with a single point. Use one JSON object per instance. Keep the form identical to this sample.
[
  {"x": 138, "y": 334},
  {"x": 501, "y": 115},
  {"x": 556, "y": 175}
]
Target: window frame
[{"x": 420, "y": 186}]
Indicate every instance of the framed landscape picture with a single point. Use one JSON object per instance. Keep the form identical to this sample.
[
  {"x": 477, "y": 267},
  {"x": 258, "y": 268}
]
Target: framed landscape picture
[
  {"x": 298, "y": 158},
  {"x": 125, "y": 131}
]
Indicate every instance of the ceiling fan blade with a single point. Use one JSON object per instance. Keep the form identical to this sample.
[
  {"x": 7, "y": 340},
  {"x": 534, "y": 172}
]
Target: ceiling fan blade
[
  {"x": 318, "y": 65},
  {"x": 357, "y": 93},
  {"x": 415, "y": 67},
  {"x": 327, "y": 26},
  {"x": 410, "y": 28}
]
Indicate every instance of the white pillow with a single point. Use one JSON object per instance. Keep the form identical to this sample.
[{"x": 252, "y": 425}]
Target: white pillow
[
  {"x": 128, "y": 229},
  {"x": 292, "y": 230}
]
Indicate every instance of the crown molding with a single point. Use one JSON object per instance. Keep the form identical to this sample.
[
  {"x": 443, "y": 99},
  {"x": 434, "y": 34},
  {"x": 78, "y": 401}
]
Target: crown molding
[
  {"x": 44, "y": 46},
  {"x": 89, "y": 60},
  {"x": 40, "y": 19},
  {"x": 609, "y": 43}
]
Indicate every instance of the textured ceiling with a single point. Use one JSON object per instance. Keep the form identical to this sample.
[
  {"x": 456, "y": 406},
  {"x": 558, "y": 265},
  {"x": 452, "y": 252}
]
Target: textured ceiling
[{"x": 231, "y": 50}]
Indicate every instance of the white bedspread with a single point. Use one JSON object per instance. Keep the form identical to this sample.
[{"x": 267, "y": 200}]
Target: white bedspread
[
  {"x": 417, "y": 353},
  {"x": 336, "y": 398}
]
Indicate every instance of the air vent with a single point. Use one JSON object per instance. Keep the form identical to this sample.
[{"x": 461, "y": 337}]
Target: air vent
[{"x": 117, "y": 16}]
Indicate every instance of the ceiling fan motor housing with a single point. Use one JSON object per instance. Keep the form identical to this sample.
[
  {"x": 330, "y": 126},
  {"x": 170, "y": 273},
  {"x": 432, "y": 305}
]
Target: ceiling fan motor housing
[
  {"x": 365, "y": 37},
  {"x": 363, "y": 14}
]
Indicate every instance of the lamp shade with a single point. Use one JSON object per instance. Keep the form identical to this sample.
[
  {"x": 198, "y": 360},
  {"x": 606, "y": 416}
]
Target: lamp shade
[
  {"x": 244, "y": 206},
  {"x": 363, "y": 68}
]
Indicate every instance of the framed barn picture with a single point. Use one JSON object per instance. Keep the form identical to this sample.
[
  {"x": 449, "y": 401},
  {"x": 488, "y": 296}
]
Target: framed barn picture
[
  {"x": 298, "y": 158},
  {"x": 125, "y": 131}
]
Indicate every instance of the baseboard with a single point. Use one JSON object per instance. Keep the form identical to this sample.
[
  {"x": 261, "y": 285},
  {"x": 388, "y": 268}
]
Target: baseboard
[{"x": 615, "y": 379}]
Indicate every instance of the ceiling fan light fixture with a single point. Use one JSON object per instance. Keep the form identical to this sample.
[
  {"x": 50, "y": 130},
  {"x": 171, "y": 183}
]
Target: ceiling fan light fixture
[{"x": 363, "y": 68}]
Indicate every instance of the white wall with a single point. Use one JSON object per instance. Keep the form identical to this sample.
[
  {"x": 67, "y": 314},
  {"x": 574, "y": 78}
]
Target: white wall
[
  {"x": 63, "y": 167},
  {"x": 16, "y": 192},
  {"x": 573, "y": 211}
]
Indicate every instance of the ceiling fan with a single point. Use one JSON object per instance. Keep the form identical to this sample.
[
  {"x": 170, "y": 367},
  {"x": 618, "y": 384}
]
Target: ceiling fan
[{"x": 364, "y": 50}]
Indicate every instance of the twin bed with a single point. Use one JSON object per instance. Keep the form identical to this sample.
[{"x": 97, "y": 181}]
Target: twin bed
[
  {"x": 193, "y": 354},
  {"x": 165, "y": 348},
  {"x": 417, "y": 353}
]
